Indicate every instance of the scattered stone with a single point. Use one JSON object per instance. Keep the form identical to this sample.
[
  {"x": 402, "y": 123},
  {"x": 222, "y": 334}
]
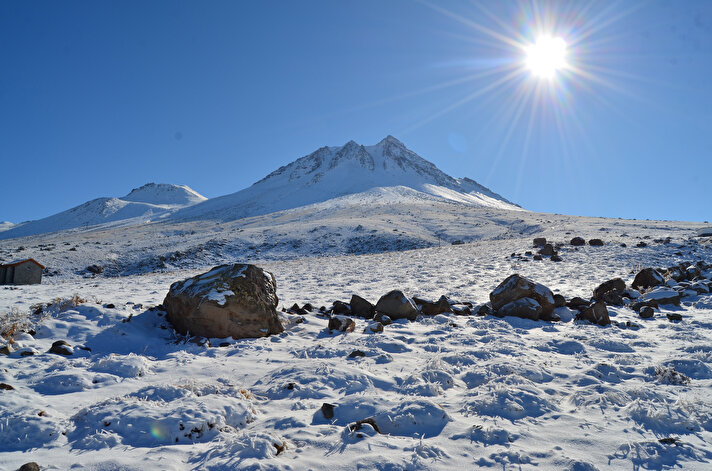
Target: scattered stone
[
  {"x": 328, "y": 410},
  {"x": 5, "y": 387},
  {"x": 674, "y": 316},
  {"x": 373, "y": 328},
  {"x": 109, "y": 306},
  {"x": 578, "y": 241},
  {"x": 647, "y": 278},
  {"x": 340, "y": 307},
  {"x": 597, "y": 313},
  {"x": 484, "y": 310},
  {"x": 517, "y": 287},
  {"x": 556, "y": 258},
  {"x": 537, "y": 257},
  {"x": 397, "y": 305},
  {"x": 308, "y": 307},
  {"x": 595, "y": 243},
  {"x": 295, "y": 309},
  {"x": 95, "y": 269},
  {"x": 641, "y": 244},
  {"x": 6, "y": 349},
  {"x": 661, "y": 295},
  {"x": 646, "y": 312},
  {"x": 559, "y": 301},
  {"x": 615, "y": 285},
  {"x": 61, "y": 347},
  {"x": 430, "y": 308},
  {"x": 237, "y": 301},
  {"x": 382, "y": 318},
  {"x": 669, "y": 440},
  {"x": 341, "y": 324},
  {"x": 357, "y": 425},
  {"x": 540, "y": 242},
  {"x": 547, "y": 250},
  {"x": 361, "y": 307},
  {"x": 357, "y": 354}
]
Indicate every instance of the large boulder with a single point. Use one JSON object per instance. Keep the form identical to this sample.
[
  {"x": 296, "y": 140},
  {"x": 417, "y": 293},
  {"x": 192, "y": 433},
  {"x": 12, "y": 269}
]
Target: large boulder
[
  {"x": 236, "y": 301},
  {"x": 615, "y": 285},
  {"x": 430, "y": 308},
  {"x": 360, "y": 307},
  {"x": 647, "y": 278},
  {"x": 517, "y": 287},
  {"x": 397, "y": 305},
  {"x": 661, "y": 295},
  {"x": 526, "y": 308}
]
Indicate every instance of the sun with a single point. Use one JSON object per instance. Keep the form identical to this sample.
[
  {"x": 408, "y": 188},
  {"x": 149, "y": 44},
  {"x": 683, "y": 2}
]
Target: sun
[{"x": 546, "y": 56}]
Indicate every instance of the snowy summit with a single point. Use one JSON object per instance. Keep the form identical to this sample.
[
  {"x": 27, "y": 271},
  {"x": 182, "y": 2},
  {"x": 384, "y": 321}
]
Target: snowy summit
[{"x": 333, "y": 172}]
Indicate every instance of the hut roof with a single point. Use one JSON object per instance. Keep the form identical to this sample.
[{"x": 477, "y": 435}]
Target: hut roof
[{"x": 20, "y": 262}]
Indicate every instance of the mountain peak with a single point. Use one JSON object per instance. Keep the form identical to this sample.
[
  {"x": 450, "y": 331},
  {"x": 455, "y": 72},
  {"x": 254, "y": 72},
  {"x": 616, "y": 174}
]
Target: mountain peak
[
  {"x": 164, "y": 194},
  {"x": 391, "y": 140}
]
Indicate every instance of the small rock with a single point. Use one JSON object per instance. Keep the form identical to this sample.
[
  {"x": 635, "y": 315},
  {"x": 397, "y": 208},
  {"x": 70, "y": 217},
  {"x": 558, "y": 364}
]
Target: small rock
[
  {"x": 60, "y": 347},
  {"x": 340, "y": 307},
  {"x": 484, "y": 310},
  {"x": 357, "y": 354},
  {"x": 5, "y": 387},
  {"x": 559, "y": 301},
  {"x": 578, "y": 241},
  {"x": 357, "y": 425},
  {"x": 556, "y": 258},
  {"x": 31, "y": 466},
  {"x": 382, "y": 318},
  {"x": 547, "y": 250},
  {"x": 341, "y": 324},
  {"x": 615, "y": 285},
  {"x": 430, "y": 308},
  {"x": 295, "y": 309},
  {"x": 6, "y": 349},
  {"x": 537, "y": 257},
  {"x": 95, "y": 269},
  {"x": 674, "y": 316},
  {"x": 641, "y": 244},
  {"x": 109, "y": 306},
  {"x": 595, "y": 243},
  {"x": 647, "y": 278},
  {"x": 646, "y": 312},
  {"x": 308, "y": 307},
  {"x": 597, "y": 313},
  {"x": 373, "y": 328},
  {"x": 328, "y": 410},
  {"x": 540, "y": 242}
]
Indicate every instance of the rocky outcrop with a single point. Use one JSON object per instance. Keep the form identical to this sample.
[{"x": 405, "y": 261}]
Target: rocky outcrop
[{"x": 236, "y": 301}]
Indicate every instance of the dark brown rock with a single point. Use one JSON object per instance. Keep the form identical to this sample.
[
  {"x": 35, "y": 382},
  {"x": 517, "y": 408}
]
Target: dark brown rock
[
  {"x": 340, "y": 307},
  {"x": 646, "y": 312},
  {"x": 236, "y": 301},
  {"x": 559, "y": 301},
  {"x": 328, "y": 410},
  {"x": 555, "y": 258},
  {"x": 31, "y": 466},
  {"x": 546, "y": 250},
  {"x": 397, "y": 305},
  {"x": 6, "y": 387},
  {"x": 341, "y": 324},
  {"x": 578, "y": 303},
  {"x": 361, "y": 307},
  {"x": 526, "y": 308},
  {"x": 357, "y": 354},
  {"x": 430, "y": 308},
  {"x": 539, "y": 241},
  {"x": 647, "y": 278},
  {"x": 517, "y": 287},
  {"x": 596, "y": 313},
  {"x": 61, "y": 347},
  {"x": 615, "y": 285},
  {"x": 578, "y": 241},
  {"x": 595, "y": 243}
]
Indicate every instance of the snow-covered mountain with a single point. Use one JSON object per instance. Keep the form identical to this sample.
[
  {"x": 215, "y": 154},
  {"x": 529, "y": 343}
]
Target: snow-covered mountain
[
  {"x": 149, "y": 202},
  {"x": 333, "y": 172},
  {"x": 5, "y": 225}
]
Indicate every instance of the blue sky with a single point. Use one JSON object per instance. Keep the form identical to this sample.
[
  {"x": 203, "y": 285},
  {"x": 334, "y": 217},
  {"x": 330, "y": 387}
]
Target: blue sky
[{"x": 97, "y": 97}]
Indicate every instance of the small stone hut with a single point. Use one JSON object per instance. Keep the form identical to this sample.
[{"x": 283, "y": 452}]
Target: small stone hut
[{"x": 21, "y": 272}]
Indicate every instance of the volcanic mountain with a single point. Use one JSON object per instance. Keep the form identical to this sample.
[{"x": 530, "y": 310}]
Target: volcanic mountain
[
  {"x": 149, "y": 202},
  {"x": 332, "y": 172}
]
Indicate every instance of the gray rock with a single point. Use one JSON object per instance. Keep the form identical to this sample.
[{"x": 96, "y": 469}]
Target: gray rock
[
  {"x": 397, "y": 305},
  {"x": 61, "y": 347},
  {"x": 578, "y": 241},
  {"x": 595, "y": 243},
  {"x": 236, "y": 301},
  {"x": 559, "y": 301},
  {"x": 615, "y": 285},
  {"x": 539, "y": 241},
  {"x": 341, "y": 323}
]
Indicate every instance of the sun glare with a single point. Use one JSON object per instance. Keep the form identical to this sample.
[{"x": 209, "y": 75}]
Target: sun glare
[{"x": 546, "y": 57}]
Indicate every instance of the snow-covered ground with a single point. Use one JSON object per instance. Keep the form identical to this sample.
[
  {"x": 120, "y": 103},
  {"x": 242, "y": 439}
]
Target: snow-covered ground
[{"x": 448, "y": 392}]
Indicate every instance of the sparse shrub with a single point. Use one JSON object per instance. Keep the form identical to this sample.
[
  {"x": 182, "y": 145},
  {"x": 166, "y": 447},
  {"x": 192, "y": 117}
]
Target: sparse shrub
[{"x": 669, "y": 375}]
